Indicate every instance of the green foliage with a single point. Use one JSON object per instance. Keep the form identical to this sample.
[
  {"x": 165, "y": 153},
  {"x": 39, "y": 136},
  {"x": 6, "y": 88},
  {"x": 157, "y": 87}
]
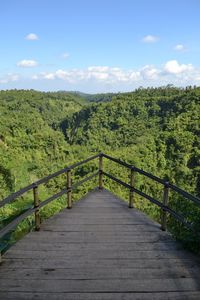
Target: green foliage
[
  {"x": 95, "y": 97},
  {"x": 155, "y": 129}
]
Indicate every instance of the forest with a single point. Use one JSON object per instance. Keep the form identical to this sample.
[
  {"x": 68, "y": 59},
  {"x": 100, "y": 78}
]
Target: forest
[{"x": 155, "y": 129}]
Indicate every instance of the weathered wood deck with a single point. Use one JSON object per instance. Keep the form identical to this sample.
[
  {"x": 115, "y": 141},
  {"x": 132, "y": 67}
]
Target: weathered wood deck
[{"x": 101, "y": 250}]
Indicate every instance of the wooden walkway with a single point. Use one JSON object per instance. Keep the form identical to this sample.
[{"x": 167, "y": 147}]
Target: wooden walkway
[{"x": 101, "y": 250}]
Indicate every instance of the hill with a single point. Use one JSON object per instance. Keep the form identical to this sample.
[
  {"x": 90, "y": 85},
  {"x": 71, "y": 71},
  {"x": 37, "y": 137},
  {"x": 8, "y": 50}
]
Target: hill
[
  {"x": 103, "y": 97},
  {"x": 156, "y": 129},
  {"x": 161, "y": 127},
  {"x": 30, "y": 138}
]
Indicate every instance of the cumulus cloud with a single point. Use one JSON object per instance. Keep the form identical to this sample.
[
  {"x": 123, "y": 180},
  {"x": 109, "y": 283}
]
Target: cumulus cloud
[
  {"x": 50, "y": 76},
  {"x": 27, "y": 63},
  {"x": 150, "y": 38},
  {"x": 105, "y": 78},
  {"x": 10, "y": 77},
  {"x": 31, "y": 37},
  {"x": 66, "y": 75},
  {"x": 45, "y": 75},
  {"x": 98, "y": 73},
  {"x": 114, "y": 75},
  {"x": 149, "y": 72},
  {"x": 180, "y": 48},
  {"x": 173, "y": 67},
  {"x": 102, "y": 74}
]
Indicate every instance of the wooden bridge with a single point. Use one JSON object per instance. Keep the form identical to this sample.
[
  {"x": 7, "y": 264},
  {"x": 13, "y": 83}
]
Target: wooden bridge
[{"x": 101, "y": 249}]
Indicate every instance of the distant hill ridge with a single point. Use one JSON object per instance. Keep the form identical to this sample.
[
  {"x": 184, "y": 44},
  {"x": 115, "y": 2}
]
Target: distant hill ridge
[{"x": 156, "y": 129}]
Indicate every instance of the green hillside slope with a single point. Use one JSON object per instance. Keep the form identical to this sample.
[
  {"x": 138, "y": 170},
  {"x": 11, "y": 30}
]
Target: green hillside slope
[{"x": 155, "y": 129}]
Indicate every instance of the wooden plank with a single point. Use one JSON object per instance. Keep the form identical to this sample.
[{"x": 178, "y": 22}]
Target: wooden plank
[
  {"x": 108, "y": 285},
  {"x": 100, "y": 296},
  {"x": 99, "y": 221},
  {"x": 131, "y": 246},
  {"x": 91, "y": 236},
  {"x": 101, "y": 273},
  {"x": 99, "y": 227},
  {"x": 99, "y": 250},
  {"x": 95, "y": 253},
  {"x": 82, "y": 262}
]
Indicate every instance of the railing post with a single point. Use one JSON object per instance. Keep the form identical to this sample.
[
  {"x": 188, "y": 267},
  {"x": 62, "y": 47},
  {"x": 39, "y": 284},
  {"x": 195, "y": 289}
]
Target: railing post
[
  {"x": 69, "y": 189},
  {"x": 165, "y": 202},
  {"x": 131, "y": 193},
  {"x": 100, "y": 171},
  {"x": 36, "y": 205}
]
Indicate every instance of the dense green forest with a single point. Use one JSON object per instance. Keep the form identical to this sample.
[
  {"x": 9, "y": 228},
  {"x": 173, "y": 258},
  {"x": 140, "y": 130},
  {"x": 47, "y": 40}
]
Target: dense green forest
[
  {"x": 95, "y": 97},
  {"x": 156, "y": 129}
]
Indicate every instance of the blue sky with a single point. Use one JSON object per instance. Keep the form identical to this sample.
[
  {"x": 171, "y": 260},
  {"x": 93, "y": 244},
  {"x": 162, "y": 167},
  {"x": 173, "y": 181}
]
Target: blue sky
[{"x": 99, "y": 46}]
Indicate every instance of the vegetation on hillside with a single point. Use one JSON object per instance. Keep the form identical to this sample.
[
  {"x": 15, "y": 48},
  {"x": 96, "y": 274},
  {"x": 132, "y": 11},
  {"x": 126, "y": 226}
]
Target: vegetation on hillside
[
  {"x": 156, "y": 129},
  {"x": 103, "y": 97}
]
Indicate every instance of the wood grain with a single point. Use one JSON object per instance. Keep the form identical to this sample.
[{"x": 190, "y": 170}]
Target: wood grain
[{"x": 99, "y": 250}]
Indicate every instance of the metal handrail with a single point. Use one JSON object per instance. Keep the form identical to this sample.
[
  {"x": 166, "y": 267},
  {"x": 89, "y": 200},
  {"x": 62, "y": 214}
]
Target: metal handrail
[
  {"x": 155, "y": 178},
  {"x": 38, "y": 205},
  {"x": 165, "y": 208},
  {"x": 34, "y": 186},
  {"x": 15, "y": 195}
]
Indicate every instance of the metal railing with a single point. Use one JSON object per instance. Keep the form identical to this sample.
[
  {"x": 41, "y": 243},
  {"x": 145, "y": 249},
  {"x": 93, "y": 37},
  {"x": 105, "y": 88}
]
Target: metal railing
[{"x": 37, "y": 205}]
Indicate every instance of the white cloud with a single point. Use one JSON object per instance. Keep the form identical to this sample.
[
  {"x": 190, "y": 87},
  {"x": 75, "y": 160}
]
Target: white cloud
[
  {"x": 171, "y": 70},
  {"x": 105, "y": 78},
  {"x": 150, "y": 38},
  {"x": 9, "y": 78},
  {"x": 32, "y": 37},
  {"x": 65, "y": 75},
  {"x": 135, "y": 76},
  {"x": 93, "y": 73},
  {"x": 65, "y": 55},
  {"x": 27, "y": 63},
  {"x": 49, "y": 76},
  {"x": 149, "y": 72},
  {"x": 98, "y": 69},
  {"x": 180, "y": 48},
  {"x": 97, "y": 72},
  {"x": 44, "y": 75},
  {"x": 173, "y": 67},
  {"x": 35, "y": 77}
]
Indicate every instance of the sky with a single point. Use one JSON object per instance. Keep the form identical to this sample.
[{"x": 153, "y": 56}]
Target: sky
[{"x": 97, "y": 46}]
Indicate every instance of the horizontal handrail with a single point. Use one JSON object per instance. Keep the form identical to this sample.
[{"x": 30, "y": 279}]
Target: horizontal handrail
[
  {"x": 16, "y": 221},
  {"x": 184, "y": 193},
  {"x": 158, "y": 203},
  {"x": 15, "y": 195},
  {"x": 177, "y": 216},
  {"x": 123, "y": 163},
  {"x": 135, "y": 169},
  {"x": 155, "y": 178},
  {"x": 31, "y": 210},
  {"x": 74, "y": 186},
  {"x": 69, "y": 188},
  {"x": 50, "y": 199},
  {"x": 117, "y": 180}
]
